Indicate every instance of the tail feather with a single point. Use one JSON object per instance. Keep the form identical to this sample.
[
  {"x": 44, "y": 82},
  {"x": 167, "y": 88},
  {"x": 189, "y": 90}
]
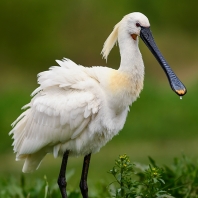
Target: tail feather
[{"x": 33, "y": 161}]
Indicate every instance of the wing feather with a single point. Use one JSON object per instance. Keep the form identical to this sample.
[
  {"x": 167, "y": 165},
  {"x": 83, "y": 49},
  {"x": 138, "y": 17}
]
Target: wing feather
[
  {"x": 60, "y": 110},
  {"x": 49, "y": 122}
]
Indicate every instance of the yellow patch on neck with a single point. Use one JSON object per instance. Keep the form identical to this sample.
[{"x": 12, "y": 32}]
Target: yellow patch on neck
[{"x": 119, "y": 81}]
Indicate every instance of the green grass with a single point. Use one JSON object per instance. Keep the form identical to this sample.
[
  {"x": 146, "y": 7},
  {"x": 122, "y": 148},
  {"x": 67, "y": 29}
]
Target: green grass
[
  {"x": 127, "y": 180},
  {"x": 137, "y": 180}
]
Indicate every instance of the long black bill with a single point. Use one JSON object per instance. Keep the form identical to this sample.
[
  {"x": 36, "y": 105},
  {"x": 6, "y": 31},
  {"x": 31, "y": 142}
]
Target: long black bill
[{"x": 176, "y": 85}]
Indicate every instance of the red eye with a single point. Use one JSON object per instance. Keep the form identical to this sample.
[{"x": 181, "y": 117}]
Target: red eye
[{"x": 137, "y": 25}]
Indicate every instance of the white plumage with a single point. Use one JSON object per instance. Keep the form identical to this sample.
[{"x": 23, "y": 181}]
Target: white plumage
[{"x": 78, "y": 108}]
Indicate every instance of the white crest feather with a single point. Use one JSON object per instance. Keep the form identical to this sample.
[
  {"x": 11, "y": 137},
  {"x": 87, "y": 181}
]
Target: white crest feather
[{"x": 110, "y": 42}]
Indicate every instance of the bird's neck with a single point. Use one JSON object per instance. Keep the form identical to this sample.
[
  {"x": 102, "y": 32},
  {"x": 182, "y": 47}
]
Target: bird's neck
[
  {"x": 131, "y": 68},
  {"x": 131, "y": 58}
]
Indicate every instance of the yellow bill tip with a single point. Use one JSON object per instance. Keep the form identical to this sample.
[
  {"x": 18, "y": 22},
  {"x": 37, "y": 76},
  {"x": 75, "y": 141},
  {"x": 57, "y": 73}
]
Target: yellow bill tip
[{"x": 181, "y": 92}]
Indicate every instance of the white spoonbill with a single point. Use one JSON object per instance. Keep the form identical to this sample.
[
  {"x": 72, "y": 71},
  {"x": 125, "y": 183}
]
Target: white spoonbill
[{"x": 76, "y": 110}]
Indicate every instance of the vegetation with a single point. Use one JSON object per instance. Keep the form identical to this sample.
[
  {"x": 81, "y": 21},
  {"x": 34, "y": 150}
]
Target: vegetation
[
  {"x": 149, "y": 182},
  {"x": 136, "y": 180},
  {"x": 132, "y": 180}
]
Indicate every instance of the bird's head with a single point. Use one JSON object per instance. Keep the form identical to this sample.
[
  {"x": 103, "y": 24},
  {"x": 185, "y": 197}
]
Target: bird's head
[{"x": 133, "y": 23}]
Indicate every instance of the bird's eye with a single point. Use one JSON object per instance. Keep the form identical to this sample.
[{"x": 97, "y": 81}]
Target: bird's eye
[{"x": 137, "y": 25}]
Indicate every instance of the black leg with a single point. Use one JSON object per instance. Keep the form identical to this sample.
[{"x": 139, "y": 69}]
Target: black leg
[
  {"x": 83, "y": 181},
  {"x": 61, "y": 179}
]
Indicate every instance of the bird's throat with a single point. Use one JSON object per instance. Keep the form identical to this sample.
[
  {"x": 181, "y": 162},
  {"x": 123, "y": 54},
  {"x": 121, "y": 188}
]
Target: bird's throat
[{"x": 134, "y": 36}]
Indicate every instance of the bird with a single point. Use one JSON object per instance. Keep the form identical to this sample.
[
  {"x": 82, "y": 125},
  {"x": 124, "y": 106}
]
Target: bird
[{"x": 76, "y": 110}]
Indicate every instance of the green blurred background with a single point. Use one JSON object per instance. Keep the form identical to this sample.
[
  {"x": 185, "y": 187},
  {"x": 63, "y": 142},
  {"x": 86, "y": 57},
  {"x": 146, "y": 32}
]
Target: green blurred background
[{"x": 34, "y": 33}]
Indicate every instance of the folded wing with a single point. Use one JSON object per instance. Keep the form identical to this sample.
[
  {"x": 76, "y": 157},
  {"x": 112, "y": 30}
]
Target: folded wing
[{"x": 60, "y": 111}]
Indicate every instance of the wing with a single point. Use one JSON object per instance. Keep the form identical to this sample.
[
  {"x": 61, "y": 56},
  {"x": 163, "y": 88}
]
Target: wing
[
  {"x": 61, "y": 109},
  {"x": 55, "y": 116}
]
